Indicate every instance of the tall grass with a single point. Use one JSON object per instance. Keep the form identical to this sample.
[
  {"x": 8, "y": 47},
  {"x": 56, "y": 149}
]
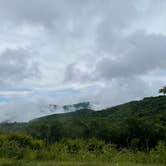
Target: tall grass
[{"x": 19, "y": 149}]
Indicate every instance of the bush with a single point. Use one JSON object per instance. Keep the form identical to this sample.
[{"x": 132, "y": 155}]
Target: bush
[
  {"x": 15, "y": 146},
  {"x": 18, "y": 145}
]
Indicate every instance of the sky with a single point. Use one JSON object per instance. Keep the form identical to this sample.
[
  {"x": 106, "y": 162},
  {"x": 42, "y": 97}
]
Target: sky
[{"x": 66, "y": 51}]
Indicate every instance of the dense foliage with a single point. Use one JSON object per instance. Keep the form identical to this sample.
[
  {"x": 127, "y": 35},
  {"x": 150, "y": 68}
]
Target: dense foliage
[
  {"x": 19, "y": 146},
  {"x": 135, "y": 132},
  {"x": 139, "y": 125},
  {"x": 163, "y": 90}
]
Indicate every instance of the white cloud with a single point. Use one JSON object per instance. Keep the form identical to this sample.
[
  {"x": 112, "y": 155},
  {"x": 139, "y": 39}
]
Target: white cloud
[{"x": 16, "y": 65}]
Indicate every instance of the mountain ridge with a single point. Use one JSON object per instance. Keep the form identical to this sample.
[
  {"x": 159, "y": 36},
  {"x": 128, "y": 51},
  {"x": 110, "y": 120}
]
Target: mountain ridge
[{"x": 141, "y": 121}]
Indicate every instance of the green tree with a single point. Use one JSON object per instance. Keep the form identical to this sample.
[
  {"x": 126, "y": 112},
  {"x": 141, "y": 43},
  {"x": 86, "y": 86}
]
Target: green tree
[{"x": 163, "y": 90}]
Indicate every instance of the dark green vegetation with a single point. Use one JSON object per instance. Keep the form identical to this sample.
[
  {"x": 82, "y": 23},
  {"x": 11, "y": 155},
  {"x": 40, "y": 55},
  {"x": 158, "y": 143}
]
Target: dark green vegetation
[
  {"x": 137, "y": 124},
  {"x": 85, "y": 105},
  {"x": 20, "y": 148},
  {"x": 133, "y": 132},
  {"x": 163, "y": 90}
]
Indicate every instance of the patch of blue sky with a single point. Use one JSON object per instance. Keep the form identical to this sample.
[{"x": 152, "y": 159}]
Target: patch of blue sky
[
  {"x": 19, "y": 94},
  {"x": 4, "y": 99}
]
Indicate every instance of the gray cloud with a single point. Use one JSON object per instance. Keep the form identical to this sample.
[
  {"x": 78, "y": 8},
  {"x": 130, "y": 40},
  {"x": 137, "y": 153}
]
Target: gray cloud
[
  {"x": 69, "y": 18},
  {"x": 139, "y": 54},
  {"x": 79, "y": 73},
  {"x": 136, "y": 54},
  {"x": 16, "y": 65},
  {"x": 117, "y": 47},
  {"x": 122, "y": 90},
  {"x": 41, "y": 11}
]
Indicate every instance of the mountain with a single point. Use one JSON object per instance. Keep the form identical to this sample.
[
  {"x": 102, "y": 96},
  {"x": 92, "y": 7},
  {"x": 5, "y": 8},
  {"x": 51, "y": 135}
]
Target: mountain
[
  {"x": 143, "y": 109},
  {"x": 137, "y": 122}
]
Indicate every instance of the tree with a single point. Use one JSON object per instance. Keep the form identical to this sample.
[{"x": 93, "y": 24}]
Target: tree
[{"x": 163, "y": 90}]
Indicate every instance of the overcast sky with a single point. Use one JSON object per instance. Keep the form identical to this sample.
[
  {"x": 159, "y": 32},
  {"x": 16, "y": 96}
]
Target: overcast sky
[{"x": 66, "y": 51}]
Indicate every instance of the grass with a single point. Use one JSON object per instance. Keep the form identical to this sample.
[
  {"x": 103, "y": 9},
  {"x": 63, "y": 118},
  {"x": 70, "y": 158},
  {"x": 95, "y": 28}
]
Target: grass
[{"x": 54, "y": 163}]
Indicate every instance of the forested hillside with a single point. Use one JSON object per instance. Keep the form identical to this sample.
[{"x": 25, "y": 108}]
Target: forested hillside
[{"x": 138, "y": 125}]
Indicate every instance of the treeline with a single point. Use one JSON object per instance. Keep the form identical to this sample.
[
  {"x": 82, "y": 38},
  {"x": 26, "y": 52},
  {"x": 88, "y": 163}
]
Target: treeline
[
  {"x": 130, "y": 133},
  {"x": 23, "y": 147}
]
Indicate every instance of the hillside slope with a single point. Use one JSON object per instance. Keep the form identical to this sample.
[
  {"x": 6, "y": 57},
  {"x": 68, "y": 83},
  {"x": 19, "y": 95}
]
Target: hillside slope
[
  {"x": 137, "y": 123},
  {"x": 147, "y": 108}
]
